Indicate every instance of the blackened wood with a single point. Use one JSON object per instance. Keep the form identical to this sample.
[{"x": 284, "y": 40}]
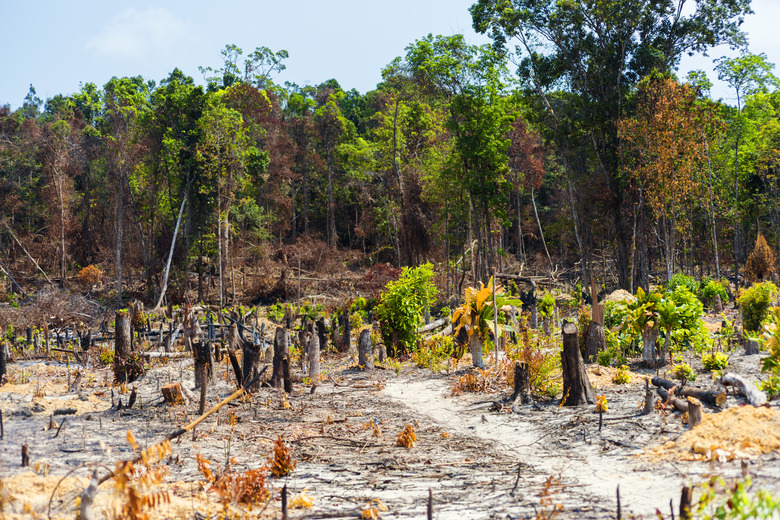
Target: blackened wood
[
  {"x": 25, "y": 456},
  {"x": 711, "y": 397},
  {"x": 234, "y": 342},
  {"x": 281, "y": 351},
  {"x": 347, "y": 340},
  {"x": 252, "y": 365},
  {"x": 121, "y": 345},
  {"x": 133, "y": 397},
  {"x": 430, "y": 504},
  {"x": 685, "y": 503},
  {"x": 576, "y": 385},
  {"x": 286, "y": 377},
  {"x": 595, "y": 341},
  {"x": 322, "y": 333},
  {"x": 365, "y": 350},
  {"x": 2, "y": 430},
  {"x": 3, "y": 349},
  {"x": 668, "y": 397},
  {"x": 649, "y": 401},
  {"x": 752, "y": 347},
  {"x": 522, "y": 383},
  {"x": 202, "y": 370},
  {"x": 204, "y": 357},
  {"x": 284, "y": 502}
]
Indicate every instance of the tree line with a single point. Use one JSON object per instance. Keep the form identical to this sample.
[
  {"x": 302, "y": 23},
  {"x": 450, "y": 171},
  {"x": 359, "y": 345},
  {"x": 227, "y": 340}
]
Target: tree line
[{"x": 567, "y": 141}]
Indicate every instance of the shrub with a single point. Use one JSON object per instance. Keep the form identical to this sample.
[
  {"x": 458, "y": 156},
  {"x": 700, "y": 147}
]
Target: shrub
[
  {"x": 622, "y": 376},
  {"x": 402, "y": 303},
  {"x": 771, "y": 363},
  {"x": 434, "y": 353},
  {"x": 755, "y": 302},
  {"x": 683, "y": 372},
  {"x": 712, "y": 288},
  {"x": 771, "y": 386},
  {"x": 682, "y": 280},
  {"x": 761, "y": 261},
  {"x": 89, "y": 276},
  {"x": 715, "y": 361},
  {"x": 546, "y": 305}
]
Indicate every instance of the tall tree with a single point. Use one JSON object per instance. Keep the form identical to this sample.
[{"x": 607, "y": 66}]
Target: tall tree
[{"x": 599, "y": 50}]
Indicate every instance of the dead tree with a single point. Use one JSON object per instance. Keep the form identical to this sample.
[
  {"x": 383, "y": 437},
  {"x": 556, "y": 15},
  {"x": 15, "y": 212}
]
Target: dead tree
[
  {"x": 322, "y": 333},
  {"x": 281, "y": 352},
  {"x": 3, "y": 348},
  {"x": 204, "y": 364},
  {"x": 365, "y": 350},
  {"x": 752, "y": 394},
  {"x": 122, "y": 341},
  {"x": 252, "y": 359},
  {"x": 522, "y": 384},
  {"x": 576, "y": 385},
  {"x": 314, "y": 358}
]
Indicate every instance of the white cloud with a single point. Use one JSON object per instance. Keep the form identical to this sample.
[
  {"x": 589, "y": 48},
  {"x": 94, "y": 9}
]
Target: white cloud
[{"x": 138, "y": 34}]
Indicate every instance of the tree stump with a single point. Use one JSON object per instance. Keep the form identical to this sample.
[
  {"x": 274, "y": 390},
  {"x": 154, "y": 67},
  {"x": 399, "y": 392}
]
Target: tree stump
[
  {"x": 717, "y": 304},
  {"x": 121, "y": 346},
  {"x": 335, "y": 334},
  {"x": 204, "y": 364},
  {"x": 172, "y": 393},
  {"x": 286, "y": 375},
  {"x": 281, "y": 351},
  {"x": 3, "y": 357},
  {"x": 694, "y": 412},
  {"x": 253, "y": 356},
  {"x": 314, "y": 358},
  {"x": 322, "y": 333},
  {"x": 533, "y": 320},
  {"x": 522, "y": 384},
  {"x": 365, "y": 350},
  {"x": 347, "y": 339},
  {"x": 649, "y": 348},
  {"x": 475, "y": 347},
  {"x": 595, "y": 341},
  {"x": 576, "y": 385},
  {"x": 752, "y": 347}
]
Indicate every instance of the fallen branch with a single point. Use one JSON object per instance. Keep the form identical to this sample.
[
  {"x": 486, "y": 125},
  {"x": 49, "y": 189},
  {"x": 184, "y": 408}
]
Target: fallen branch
[
  {"x": 711, "y": 397},
  {"x": 753, "y": 395}
]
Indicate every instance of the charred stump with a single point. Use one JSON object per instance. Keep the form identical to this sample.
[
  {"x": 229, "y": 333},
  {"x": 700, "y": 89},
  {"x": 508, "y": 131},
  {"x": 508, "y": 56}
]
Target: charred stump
[
  {"x": 595, "y": 340},
  {"x": 322, "y": 333},
  {"x": 576, "y": 385},
  {"x": 522, "y": 384},
  {"x": 365, "y": 351},
  {"x": 314, "y": 358},
  {"x": 204, "y": 364},
  {"x": 3, "y": 349},
  {"x": 281, "y": 352}
]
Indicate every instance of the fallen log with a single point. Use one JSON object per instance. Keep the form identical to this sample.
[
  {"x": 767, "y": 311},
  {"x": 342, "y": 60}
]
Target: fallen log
[
  {"x": 753, "y": 395},
  {"x": 711, "y": 397},
  {"x": 433, "y": 325},
  {"x": 668, "y": 397}
]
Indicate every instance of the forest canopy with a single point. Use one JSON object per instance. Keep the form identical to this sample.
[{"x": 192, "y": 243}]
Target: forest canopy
[{"x": 569, "y": 141}]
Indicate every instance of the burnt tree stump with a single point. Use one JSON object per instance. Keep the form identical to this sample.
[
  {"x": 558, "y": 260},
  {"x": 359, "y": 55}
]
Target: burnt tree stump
[
  {"x": 365, "y": 350},
  {"x": 3, "y": 349},
  {"x": 281, "y": 352},
  {"x": 522, "y": 384},
  {"x": 314, "y": 358},
  {"x": 595, "y": 341},
  {"x": 322, "y": 333},
  {"x": 253, "y": 356},
  {"x": 576, "y": 385},
  {"x": 204, "y": 364},
  {"x": 122, "y": 346}
]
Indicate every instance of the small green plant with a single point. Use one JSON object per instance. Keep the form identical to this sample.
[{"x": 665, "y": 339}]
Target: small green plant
[
  {"x": 771, "y": 386},
  {"x": 715, "y": 361},
  {"x": 683, "y": 372},
  {"x": 604, "y": 358},
  {"x": 682, "y": 280},
  {"x": 771, "y": 363},
  {"x": 622, "y": 375},
  {"x": 755, "y": 302},
  {"x": 356, "y": 321},
  {"x": 738, "y": 501},
  {"x": 713, "y": 288},
  {"x": 106, "y": 356},
  {"x": 434, "y": 353},
  {"x": 546, "y": 305},
  {"x": 275, "y": 312},
  {"x": 726, "y": 332}
]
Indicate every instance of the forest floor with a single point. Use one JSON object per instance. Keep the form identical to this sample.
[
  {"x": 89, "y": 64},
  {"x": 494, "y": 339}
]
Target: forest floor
[{"x": 476, "y": 459}]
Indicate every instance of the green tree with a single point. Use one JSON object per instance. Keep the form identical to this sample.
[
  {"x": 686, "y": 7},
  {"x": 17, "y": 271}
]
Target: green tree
[{"x": 598, "y": 50}]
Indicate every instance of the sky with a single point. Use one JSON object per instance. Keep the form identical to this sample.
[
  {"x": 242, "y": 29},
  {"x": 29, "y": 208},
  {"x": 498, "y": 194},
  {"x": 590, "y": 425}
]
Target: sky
[{"x": 56, "y": 45}]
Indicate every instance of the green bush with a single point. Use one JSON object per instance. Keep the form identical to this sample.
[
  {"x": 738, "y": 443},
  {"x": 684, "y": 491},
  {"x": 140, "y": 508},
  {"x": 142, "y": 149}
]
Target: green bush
[
  {"x": 715, "y": 361},
  {"x": 402, "y": 303},
  {"x": 546, "y": 305},
  {"x": 712, "y": 288},
  {"x": 755, "y": 302},
  {"x": 682, "y": 280},
  {"x": 683, "y": 372},
  {"x": 771, "y": 386}
]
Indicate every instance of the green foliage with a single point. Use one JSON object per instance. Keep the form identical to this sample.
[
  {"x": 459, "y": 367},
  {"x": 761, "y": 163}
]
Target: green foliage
[
  {"x": 712, "y": 288},
  {"x": 771, "y": 386},
  {"x": 755, "y": 302},
  {"x": 682, "y": 280},
  {"x": 683, "y": 372},
  {"x": 434, "y": 353},
  {"x": 106, "y": 356},
  {"x": 583, "y": 321},
  {"x": 715, "y": 361},
  {"x": 546, "y": 305},
  {"x": 739, "y": 501},
  {"x": 622, "y": 376},
  {"x": 275, "y": 312},
  {"x": 690, "y": 332},
  {"x": 402, "y": 303},
  {"x": 771, "y": 363}
]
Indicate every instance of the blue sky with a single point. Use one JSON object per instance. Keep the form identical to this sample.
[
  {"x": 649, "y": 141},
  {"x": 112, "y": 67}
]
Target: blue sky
[{"x": 56, "y": 45}]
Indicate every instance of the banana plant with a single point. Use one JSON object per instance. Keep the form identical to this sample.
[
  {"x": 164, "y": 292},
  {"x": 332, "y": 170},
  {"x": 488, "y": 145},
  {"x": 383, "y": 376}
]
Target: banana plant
[{"x": 477, "y": 316}]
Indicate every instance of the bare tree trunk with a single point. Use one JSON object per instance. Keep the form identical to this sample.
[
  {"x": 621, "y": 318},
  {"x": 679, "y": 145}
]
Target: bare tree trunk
[
  {"x": 119, "y": 228},
  {"x": 712, "y": 211},
  {"x": 164, "y": 286},
  {"x": 539, "y": 223},
  {"x": 122, "y": 341},
  {"x": 365, "y": 350},
  {"x": 576, "y": 385}
]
